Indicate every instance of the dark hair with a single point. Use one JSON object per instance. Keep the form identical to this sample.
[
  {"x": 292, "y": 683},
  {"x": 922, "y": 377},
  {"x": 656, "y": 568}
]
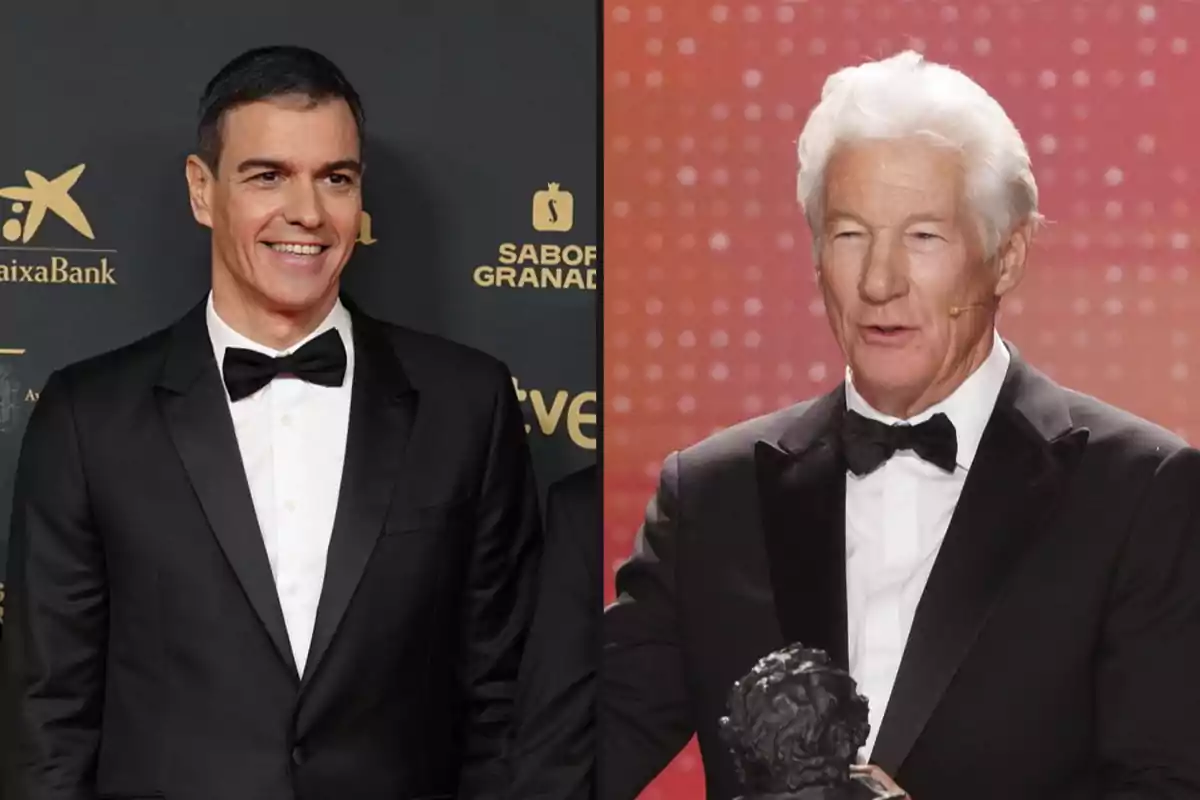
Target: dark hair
[{"x": 265, "y": 73}]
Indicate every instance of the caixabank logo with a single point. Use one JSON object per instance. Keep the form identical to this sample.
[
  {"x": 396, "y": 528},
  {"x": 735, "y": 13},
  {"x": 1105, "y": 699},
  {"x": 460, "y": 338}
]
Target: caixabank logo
[
  {"x": 47, "y": 238},
  {"x": 555, "y": 262}
]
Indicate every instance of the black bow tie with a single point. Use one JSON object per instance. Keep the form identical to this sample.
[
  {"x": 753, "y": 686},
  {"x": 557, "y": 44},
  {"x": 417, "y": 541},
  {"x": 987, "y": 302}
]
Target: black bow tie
[
  {"x": 868, "y": 443},
  {"x": 322, "y": 361}
]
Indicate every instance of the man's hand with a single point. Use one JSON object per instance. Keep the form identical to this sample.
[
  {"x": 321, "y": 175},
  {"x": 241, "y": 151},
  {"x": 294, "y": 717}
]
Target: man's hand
[{"x": 878, "y": 780}]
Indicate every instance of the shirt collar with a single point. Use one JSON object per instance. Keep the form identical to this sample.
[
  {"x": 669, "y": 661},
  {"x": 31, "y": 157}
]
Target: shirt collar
[
  {"x": 223, "y": 337},
  {"x": 969, "y": 406}
]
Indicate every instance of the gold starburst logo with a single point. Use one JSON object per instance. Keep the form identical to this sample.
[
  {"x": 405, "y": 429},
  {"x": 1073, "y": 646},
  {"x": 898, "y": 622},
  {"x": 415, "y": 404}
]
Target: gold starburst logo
[{"x": 43, "y": 196}]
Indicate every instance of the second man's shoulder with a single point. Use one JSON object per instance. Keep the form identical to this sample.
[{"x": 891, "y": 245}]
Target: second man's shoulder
[
  {"x": 1120, "y": 437},
  {"x": 734, "y": 447}
]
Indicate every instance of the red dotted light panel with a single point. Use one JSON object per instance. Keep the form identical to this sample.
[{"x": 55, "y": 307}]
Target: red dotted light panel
[{"x": 710, "y": 308}]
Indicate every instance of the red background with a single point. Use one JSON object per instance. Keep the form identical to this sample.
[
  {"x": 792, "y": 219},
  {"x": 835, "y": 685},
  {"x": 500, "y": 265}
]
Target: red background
[{"x": 710, "y": 309}]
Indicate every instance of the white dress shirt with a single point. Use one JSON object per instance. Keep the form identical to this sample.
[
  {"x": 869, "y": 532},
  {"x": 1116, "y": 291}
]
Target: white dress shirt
[
  {"x": 292, "y": 437},
  {"x": 896, "y": 518}
]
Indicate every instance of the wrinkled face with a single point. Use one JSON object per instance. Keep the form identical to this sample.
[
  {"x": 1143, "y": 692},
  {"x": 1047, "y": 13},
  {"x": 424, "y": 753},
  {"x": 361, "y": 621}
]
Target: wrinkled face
[
  {"x": 900, "y": 248},
  {"x": 285, "y": 202}
]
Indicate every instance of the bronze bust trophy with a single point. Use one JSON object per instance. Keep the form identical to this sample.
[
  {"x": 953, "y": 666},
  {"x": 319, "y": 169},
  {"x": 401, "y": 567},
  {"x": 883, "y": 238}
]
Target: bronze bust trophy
[{"x": 796, "y": 722}]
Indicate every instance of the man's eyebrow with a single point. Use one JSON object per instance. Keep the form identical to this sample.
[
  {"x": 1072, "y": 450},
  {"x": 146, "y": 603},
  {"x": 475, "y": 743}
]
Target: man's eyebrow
[
  {"x": 262, "y": 163},
  {"x": 348, "y": 164},
  {"x": 345, "y": 164}
]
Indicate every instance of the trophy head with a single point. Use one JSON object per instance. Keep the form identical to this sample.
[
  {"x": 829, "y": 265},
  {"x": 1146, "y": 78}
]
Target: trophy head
[{"x": 795, "y": 721}]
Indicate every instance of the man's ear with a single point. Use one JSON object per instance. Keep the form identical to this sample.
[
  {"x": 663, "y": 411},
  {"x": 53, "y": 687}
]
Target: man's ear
[
  {"x": 1011, "y": 259},
  {"x": 201, "y": 182}
]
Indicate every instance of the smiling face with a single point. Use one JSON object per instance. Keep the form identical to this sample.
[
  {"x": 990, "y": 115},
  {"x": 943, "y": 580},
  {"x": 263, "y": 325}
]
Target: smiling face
[
  {"x": 284, "y": 206},
  {"x": 900, "y": 248}
]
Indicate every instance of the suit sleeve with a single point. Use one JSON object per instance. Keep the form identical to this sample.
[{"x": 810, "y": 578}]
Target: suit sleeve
[
  {"x": 555, "y": 750},
  {"x": 56, "y": 622},
  {"x": 499, "y": 596},
  {"x": 1147, "y": 686},
  {"x": 645, "y": 719}
]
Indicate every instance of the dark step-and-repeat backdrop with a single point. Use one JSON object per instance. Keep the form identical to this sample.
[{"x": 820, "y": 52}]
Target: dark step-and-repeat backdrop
[{"x": 480, "y": 192}]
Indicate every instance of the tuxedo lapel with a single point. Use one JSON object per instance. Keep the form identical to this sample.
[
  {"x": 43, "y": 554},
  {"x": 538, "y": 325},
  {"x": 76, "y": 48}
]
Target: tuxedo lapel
[
  {"x": 194, "y": 404},
  {"x": 1026, "y": 454},
  {"x": 382, "y": 409},
  {"x": 802, "y": 494}
]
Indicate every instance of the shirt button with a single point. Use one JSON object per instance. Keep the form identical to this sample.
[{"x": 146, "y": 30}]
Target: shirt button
[
  {"x": 289, "y": 506},
  {"x": 286, "y": 420},
  {"x": 297, "y": 756}
]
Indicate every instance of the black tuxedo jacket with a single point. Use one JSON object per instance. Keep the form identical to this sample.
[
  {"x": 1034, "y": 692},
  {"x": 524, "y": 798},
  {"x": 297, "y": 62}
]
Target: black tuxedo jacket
[
  {"x": 1054, "y": 654},
  {"x": 553, "y": 755},
  {"x": 145, "y": 641}
]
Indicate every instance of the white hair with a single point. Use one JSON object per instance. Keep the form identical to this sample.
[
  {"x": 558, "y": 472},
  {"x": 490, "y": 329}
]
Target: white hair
[{"x": 905, "y": 96}]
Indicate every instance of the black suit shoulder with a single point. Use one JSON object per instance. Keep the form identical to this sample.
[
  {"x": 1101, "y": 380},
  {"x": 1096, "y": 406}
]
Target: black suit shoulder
[
  {"x": 105, "y": 377},
  {"x": 731, "y": 451},
  {"x": 1132, "y": 463},
  {"x": 1118, "y": 433},
  {"x": 429, "y": 358}
]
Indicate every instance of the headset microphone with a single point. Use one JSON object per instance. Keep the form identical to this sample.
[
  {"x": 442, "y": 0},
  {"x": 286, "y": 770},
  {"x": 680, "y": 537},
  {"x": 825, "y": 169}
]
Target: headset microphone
[{"x": 956, "y": 311}]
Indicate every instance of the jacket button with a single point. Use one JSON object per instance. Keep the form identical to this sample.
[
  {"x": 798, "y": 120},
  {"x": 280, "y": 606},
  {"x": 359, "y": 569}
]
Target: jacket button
[{"x": 297, "y": 756}]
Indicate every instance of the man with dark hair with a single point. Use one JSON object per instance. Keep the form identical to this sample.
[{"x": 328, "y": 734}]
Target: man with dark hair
[
  {"x": 308, "y": 77},
  {"x": 279, "y": 549}
]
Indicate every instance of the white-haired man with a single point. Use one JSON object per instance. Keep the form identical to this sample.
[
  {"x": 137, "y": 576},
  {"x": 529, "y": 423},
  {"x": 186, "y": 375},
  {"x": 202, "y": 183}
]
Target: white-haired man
[{"x": 1010, "y": 570}]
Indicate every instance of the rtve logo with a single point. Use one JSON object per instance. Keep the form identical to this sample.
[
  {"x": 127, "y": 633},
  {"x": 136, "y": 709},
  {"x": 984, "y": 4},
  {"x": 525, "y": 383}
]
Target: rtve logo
[{"x": 579, "y": 413}]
